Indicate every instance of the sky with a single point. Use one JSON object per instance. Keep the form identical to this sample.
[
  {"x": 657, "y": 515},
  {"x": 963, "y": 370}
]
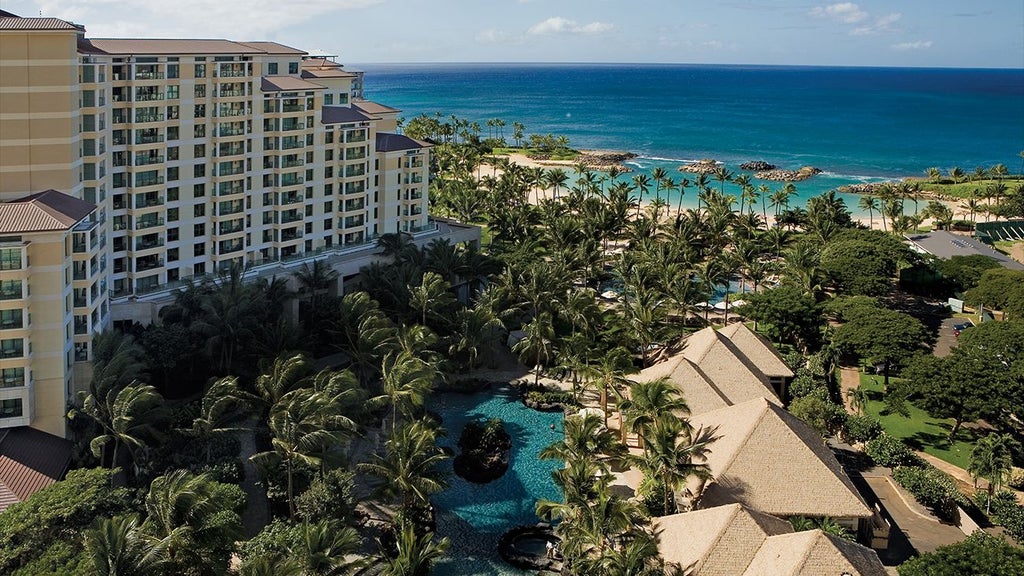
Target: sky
[{"x": 930, "y": 33}]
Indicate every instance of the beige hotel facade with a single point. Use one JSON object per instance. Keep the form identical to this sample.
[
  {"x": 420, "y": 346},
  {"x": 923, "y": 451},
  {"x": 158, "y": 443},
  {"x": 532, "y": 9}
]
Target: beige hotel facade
[{"x": 130, "y": 165}]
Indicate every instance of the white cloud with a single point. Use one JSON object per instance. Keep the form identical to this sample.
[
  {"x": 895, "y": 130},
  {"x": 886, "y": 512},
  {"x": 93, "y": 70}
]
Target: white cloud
[
  {"x": 493, "y": 36},
  {"x": 234, "y": 19},
  {"x": 918, "y": 45},
  {"x": 885, "y": 23},
  {"x": 847, "y": 12},
  {"x": 559, "y": 25}
]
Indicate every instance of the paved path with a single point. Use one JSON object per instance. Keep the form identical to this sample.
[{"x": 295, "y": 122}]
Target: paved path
[
  {"x": 849, "y": 380},
  {"x": 920, "y": 527},
  {"x": 963, "y": 477},
  {"x": 945, "y": 341},
  {"x": 256, "y": 513}
]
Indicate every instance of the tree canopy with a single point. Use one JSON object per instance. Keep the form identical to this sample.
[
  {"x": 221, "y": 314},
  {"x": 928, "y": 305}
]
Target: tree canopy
[{"x": 882, "y": 337}]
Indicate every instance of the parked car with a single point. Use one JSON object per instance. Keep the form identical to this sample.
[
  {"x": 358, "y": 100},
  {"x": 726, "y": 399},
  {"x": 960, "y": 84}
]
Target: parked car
[{"x": 961, "y": 326}]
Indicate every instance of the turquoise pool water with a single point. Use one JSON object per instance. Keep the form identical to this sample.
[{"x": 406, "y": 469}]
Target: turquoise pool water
[{"x": 475, "y": 516}]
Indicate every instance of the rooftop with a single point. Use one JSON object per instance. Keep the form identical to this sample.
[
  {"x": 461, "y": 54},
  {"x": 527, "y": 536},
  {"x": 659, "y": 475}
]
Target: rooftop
[
  {"x": 9, "y": 21},
  {"x": 29, "y": 460},
  {"x": 42, "y": 212},
  {"x": 371, "y": 107},
  {"x": 387, "y": 142},
  {"x": 287, "y": 84},
  {"x": 181, "y": 46},
  {"x": 760, "y": 445},
  {"x": 812, "y": 553},
  {"x": 342, "y": 115},
  {"x": 945, "y": 244}
]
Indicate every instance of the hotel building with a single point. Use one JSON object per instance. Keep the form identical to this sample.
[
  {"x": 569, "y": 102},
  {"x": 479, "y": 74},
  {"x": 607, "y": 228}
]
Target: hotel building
[{"x": 130, "y": 165}]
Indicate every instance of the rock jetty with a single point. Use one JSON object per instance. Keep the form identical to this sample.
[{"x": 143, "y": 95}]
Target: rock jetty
[
  {"x": 757, "y": 166},
  {"x": 871, "y": 188},
  {"x": 603, "y": 158},
  {"x": 778, "y": 175},
  {"x": 705, "y": 166}
]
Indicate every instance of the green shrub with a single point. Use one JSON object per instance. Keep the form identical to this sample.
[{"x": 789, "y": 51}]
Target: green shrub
[
  {"x": 862, "y": 428},
  {"x": 550, "y": 397},
  {"x": 980, "y": 553},
  {"x": 932, "y": 488},
  {"x": 823, "y": 415},
  {"x": 891, "y": 452},
  {"x": 329, "y": 498},
  {"x": 1005, "y": 511}
]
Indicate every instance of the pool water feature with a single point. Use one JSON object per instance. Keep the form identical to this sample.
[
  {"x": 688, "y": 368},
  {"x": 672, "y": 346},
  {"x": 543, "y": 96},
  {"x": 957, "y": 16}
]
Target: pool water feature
[{"x": 474, "y": 516}]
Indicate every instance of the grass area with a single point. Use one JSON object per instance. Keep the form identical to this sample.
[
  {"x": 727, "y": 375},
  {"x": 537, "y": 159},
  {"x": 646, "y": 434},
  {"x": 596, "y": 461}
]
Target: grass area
[
  {"x": 965, "y": 189},
  {"x": 1006, "y": 246},
  {"x": 563, "y": 154},
  {"x": 920, "y": 431}
]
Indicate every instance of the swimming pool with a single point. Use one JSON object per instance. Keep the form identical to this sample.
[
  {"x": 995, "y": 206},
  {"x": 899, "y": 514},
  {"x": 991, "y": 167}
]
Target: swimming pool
[{"x": 474, "y": 516}]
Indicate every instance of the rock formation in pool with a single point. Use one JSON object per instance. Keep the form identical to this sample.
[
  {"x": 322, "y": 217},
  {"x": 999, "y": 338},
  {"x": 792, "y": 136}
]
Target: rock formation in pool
[{"x": 484, "y": 451}]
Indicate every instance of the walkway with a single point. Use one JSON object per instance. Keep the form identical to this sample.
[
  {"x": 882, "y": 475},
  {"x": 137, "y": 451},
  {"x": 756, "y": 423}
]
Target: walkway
[
  {"x": 963, "y": 478},
  {"x": 850, "y": 380},
  {"x": 256, "y": 513},
  {"x": 920, "y": 527}
]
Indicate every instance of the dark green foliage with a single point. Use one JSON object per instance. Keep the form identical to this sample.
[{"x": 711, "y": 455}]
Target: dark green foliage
[
  {"x": 980, "y": 553},
  {"x": 891, "y": 452},
  {"x": 932, "y": 488},
  {"x": 862, "y": 428},
  {"x": 964, "y": 272},
  {"x": 484, "y": 450},
  {"x": 846, "y": 308},
  {"x": 1001, "y": 289},
  {"x": 786, "y": 314},
  {"x": 858, "y": 267},
  {"x": 883, "y": 337},
  {"x": 824, "y": 416},
  {"x": 64, "y": 557},
  {"x": 550, "y": 397},
  {"x": 56, "y": 512},
  {"x": 1005, "y": 511},
  {"x": 273, "y": 541},
  {"x": 329, "y": 498}
]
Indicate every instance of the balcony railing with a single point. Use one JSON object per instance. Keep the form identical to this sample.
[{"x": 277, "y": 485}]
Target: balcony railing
[
  {"x": 143, "y": 223},
  {"x": 143, "y": 265},
  {"x": 146, "y": 160},
  {"x": 142, "y": 244},
  {"x": 148, "y": 139}
]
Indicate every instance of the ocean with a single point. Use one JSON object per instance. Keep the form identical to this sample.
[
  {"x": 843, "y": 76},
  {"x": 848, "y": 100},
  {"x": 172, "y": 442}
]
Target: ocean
[{"x": 856, "y": 124}]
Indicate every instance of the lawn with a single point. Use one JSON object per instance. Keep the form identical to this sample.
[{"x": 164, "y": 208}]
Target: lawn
[{"x": 920, "y": 431}]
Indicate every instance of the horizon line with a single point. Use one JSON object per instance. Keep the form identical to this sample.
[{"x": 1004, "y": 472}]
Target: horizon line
[{"x": 693, "y": 64}]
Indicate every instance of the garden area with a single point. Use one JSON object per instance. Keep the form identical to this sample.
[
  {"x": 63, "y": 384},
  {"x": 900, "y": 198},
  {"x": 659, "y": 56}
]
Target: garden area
[{"x": 919, "y": 430}]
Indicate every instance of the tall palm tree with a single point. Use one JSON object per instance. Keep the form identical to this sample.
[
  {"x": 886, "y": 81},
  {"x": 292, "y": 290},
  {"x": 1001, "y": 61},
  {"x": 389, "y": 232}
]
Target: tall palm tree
[
  {"x": 642, "y": 184},
  {"x": 538, "y": 343},
  {"x": 475, "y": 330},
  {"x": 218, "y": 410},
  {"x": 674, "y": 453},
  {"x": 305, "y": 427},
  {"x": 648, "y": 402},
  {"x": 722, "y": 174},
  {"x": 315, "y": 282},
  {"x": 586, "y": 438},
  {"x": 869, "y": 203},
  {"x": 992, "y": 458},
  {"x": 431, "y": 297},
  {"x": 407, "y": 382},
  {"x": 286, "y": 373},
  {"x": 610, "y": 374},
  {"x": 126, "y": 419},
  {"x": 409, "y": 466}
]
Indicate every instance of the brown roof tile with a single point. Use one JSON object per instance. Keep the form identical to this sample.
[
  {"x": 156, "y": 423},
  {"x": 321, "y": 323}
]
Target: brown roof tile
[
  {"x": 813, "y": 553},
  {"x": 30, "y": 460},
  {"x": 374, "y": 108},
  {"x": 43, "y": 212},
  {"x": 167, "y": 46},
  {"x": 756, "y": 349},
  {"x": 388, "y": 142},
  {"x": 273, "y": 48},
  {"x": 342, "y": 115},
  {"x": 16, "y": 23},
  {"x": 287, "y": 84}
]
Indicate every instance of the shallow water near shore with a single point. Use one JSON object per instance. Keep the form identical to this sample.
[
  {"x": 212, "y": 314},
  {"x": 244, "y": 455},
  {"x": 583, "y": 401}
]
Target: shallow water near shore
[{"x": 474, "y": 516}]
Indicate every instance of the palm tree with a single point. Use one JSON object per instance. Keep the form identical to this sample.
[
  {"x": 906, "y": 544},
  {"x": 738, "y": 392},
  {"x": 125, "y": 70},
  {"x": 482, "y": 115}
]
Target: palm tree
[
  {"x": 934, "y": 174},
  {"x": 407, "y": 382},
  {"x": 117, "y": 547},
  {"x": 409, "y": 466},
  {"x": 315, "y": 282},
  {"x": 125, "y": 418},
  {"x": 956, "y": 174},
  {"x": 218, "y": 409},
  {"x": 538, "y": 343},
  {"x": 430, "y": 297},
  {"x": 305, "y": 426},
  {"x": 586, "y": 438},
  {"x": 722, "y": 174},
  {"x": 475, "y": 329},
  {"x": 674, "y": 453},
  {"x": 648, "y": 402},
  {"x": 414, "y": 554},
  {"x": 610, "y": 373},
  {"x": 193, "y": 521},
  {"x": 869, "y": 203},
  {"x": 992, "y": 458},
  {"x": 323, "y": 548},
  {"x": 286, "y": 373}
]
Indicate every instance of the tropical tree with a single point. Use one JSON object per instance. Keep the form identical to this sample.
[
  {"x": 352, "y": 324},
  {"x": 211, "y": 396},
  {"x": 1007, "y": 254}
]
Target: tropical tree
[
  {"x": 409, "y": 466},
  {"x": 648, "y": 402},
  {"x": 117, "y": 547},
  {"x": 126, "y": 418},
  {"x": 305, "y": 427},
  {"x": 869, "y": 203},
  {"x": 538, "y": 344},
  {"x": 323, "y": 549},
  {"x": 610, "y": 374},
  {"x": 407, "y": 382},
  {"x": 586, "y": 438},
  {"x": 414, "y": 554},
  {"x": 673, "y": 454},
  {"x": 218, "y": 411},
  {"x": 992, "y": 459}
]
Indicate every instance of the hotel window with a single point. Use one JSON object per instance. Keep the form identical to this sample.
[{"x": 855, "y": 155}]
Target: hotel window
[
  {"x": 199, "y": 111},
  {"x": 199, "y": 210},
  {"x": 172, "y": 70},
  {"x": 11, "y": 408},
  {"x": 172, "y": 133},
  {"x": 199, "y": 230},
  {"x": 199, "y": 249},
  {"x": 172, "y": 92},
  {"x": 200, "y": 70},
  {"x": 199, "y": 130},
  {"x": 328, "y": 99},
  {"x": 293, "y": 67},
  {"x": 12, "y": 348},
  {"x": 272, "y": 68},
  {"x": 10, "y": 289},
  {"x": 172, "y": 193},
  {"x": 199, "y": 170},
  {"x": 199, "y": 151},
  {"x": 172, "y": 173},
  {"x": 12, "y": 377},
  {"x": 11, "y": 319},
  {"x": 198, "y": 190},
  {"x": 200, "y": 91},
  {"x": 172, "y": 214},
  {"x": 10, "y": 258}
]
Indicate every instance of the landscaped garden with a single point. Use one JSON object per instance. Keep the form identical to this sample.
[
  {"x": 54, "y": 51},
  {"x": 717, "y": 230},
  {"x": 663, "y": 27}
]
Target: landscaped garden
[{"x": 919, "y": 430}]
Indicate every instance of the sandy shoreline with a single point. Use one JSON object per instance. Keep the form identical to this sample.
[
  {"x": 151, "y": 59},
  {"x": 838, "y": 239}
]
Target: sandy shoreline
[{"x": 538, "y": 194}]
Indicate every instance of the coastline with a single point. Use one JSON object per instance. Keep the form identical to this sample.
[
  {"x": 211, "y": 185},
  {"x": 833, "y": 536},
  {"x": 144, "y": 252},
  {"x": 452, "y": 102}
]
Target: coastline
[{"x": 538, "y": 194}]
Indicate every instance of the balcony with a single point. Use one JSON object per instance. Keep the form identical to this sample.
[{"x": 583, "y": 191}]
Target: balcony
[
  {"x": 230, "y": 227},
  {"x": 148, "y": 96},
  {"x": 142, "y": 118},
  {"x": 148, "y": 138},
  {"x": 146, "y": 244},
  {"x": 225, "y": 131},
  {"x": 231, "y": 112},
  {"x": 291, "y": 180},
  {"x": 293, "y": 108},
  {"x": 147, "y": 160},
  {"x": 291, "y": 198},
  {"x": 230, "y": 93},
  {"x": 232, "y": 73},
  {"x": 228, "y": 208},
  {"x": 353, "y": 221},
  {"x": 148, "y": 263},
  {"x": 291, "y": 234},
  {"x": 231, "y": 188},
  {"x": 148, "y": 201},
  {"x": 286, "y": 163},
  {"x": 290, "y": 216},
  {"x": 148, "y": 75},
  {"x": 151, "y": 181},
  {"x": 143, "y": 223}
]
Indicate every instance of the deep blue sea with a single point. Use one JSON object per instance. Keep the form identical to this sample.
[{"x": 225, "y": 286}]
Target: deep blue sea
[{"x": 856, "y": 124}]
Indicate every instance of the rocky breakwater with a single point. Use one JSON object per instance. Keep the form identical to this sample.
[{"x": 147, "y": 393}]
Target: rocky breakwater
[
  {"x": 757, "y": 166},
  {"x": 779, "y": 175},
  {"x": 873, "y": 188},
  {"x": 705, "y": 166},
  {"x": 605, "y": 159}
]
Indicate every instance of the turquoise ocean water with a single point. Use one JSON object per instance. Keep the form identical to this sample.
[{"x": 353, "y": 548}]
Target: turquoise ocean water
[{"x": 856, "y": 124}]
